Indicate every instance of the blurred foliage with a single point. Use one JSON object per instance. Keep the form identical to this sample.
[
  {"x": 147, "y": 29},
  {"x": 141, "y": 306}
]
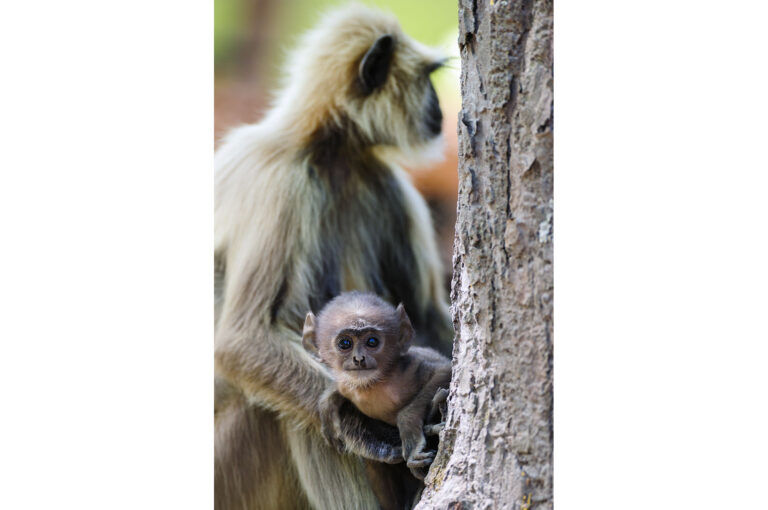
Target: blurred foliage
[
  {"x": 424, "y": 20},
  {"x": 229, "y": 27},
  {"x": 429, "y": 21}
]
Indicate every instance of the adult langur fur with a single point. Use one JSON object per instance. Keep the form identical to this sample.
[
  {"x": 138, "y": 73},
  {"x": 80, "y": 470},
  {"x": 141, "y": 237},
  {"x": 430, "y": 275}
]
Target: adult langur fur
[{"x": 308, "y": 204}]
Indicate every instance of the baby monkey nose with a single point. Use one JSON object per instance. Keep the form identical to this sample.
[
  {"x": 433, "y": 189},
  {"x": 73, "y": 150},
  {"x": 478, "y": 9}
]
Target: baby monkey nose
[{"x": 359, "y": 361}]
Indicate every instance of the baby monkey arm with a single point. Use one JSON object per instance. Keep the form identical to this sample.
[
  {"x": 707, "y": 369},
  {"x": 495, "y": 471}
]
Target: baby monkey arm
[{"x": 411, "y": 420}]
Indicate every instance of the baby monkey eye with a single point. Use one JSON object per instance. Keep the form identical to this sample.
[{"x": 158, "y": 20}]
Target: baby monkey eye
[
  {"x": 372, "y": 342},
  {"x": 345, "y": 344}
]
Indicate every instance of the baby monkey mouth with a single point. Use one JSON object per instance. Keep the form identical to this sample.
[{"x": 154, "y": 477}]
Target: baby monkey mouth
[{"x": 359, "y": 369}]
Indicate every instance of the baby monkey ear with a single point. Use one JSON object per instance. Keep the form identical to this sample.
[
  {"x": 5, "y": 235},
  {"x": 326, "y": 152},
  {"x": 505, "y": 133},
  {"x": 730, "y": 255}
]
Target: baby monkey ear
[
  {"x": 308, "y": 336},
  {"x": 406, "y": 330}
]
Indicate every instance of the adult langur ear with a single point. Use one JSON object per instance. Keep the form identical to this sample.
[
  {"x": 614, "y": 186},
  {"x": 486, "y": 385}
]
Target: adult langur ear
[
  {"x": 375, "y": 64},
  {"x": 308, "y": 336},
  {"x": 406, "y": 330}
]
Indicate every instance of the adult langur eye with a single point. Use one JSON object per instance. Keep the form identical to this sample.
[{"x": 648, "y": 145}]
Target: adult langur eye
[
  {"x": 345, "y": 344},
  {"x": 372, "y": 342}
]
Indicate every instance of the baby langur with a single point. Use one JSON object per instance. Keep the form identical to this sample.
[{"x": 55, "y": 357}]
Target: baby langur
[{"x": 366, "y": 343}]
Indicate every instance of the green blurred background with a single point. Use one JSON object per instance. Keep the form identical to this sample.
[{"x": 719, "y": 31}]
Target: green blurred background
[
  {"x": 429, "y": 21},
  {"x": 251, "y": 38}
]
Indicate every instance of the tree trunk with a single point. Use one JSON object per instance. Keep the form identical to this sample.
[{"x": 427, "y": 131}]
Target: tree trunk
[{"x": 496, "y": 448}]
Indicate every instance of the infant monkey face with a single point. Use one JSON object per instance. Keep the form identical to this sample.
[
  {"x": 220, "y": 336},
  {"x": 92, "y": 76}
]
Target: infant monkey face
[
  {"x": 358, "y": 350},
  {"x": 359, "y": 336}
]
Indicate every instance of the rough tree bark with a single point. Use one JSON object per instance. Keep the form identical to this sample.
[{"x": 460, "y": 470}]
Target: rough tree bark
[{"x": 496, "y": 448}]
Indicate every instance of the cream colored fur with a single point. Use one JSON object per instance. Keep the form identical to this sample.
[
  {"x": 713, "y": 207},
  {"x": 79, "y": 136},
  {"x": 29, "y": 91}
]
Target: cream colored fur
[{"x": 266, "y": 223}]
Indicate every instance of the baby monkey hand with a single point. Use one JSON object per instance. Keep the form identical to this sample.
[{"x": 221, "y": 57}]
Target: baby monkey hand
[
  {"x": 415, "y": 453},
  {"x": 433, "y": 427}
]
